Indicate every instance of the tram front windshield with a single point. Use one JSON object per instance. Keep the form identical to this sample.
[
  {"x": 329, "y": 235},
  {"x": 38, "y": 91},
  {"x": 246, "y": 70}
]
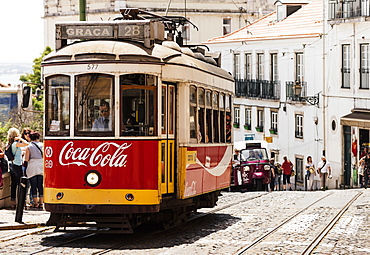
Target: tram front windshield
[{"x": 94, "y": 105}]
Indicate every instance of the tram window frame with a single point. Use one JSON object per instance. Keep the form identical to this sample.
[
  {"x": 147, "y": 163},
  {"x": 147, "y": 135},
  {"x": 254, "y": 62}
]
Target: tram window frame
[
  {"x": 94, "y": 103},
  {"x": 193, "y": 122},
  {"x": 59, "y": 125},
  {"x": 216, "y": 117},
  {"x": 201, "y": 116},
  {"x": 209, "y": 117},
  {"x": 144, "y": 109}
]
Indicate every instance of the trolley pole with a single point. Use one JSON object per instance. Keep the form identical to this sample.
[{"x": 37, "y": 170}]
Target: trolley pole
[
  {"x": 82, "y": 10},
  {"x": 22, "y": 190}
]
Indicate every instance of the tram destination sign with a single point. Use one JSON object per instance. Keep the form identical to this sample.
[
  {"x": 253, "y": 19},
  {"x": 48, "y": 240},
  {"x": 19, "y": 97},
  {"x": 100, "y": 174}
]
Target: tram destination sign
[{"x": 144, "y": 30}]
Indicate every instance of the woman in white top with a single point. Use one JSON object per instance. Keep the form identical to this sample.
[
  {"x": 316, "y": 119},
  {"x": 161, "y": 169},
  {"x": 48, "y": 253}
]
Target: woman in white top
[
  {"x": 35, "y": 169},
  {"x": 310, "y": 171}
]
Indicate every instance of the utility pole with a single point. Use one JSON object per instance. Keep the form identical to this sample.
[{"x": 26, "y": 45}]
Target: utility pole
[{"x": 82, "y": 10}]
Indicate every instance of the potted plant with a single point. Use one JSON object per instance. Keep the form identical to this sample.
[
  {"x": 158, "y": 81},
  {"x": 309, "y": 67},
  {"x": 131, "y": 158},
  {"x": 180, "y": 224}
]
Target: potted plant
[
  {"x": 247, "y": 127},
  {"x": 236, "y": 125},
  {"x": 272, "y": 131},
  {"x": 259, "y": 129}
]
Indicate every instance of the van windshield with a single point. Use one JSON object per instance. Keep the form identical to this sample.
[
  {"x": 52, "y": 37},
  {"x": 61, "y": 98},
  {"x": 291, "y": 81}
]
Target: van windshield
[{"x": 255, "y": 154}]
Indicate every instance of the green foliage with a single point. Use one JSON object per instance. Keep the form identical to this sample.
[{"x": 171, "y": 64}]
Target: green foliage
[{"x": 35, "y": 79}]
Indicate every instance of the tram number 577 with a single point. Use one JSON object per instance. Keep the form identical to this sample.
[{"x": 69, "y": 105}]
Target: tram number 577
[{"x": 92, "y": 67}]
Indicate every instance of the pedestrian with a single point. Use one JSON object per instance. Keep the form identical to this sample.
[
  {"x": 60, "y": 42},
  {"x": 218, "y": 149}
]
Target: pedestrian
[
  {"x": 361, "y": 167},
  {"x": 278, "y": 174},
  {"x": 16, "y": 142},
  {"x": 287, "y": 167},
  {"x": 367, "y": 170},
  {"x": 273, "y": 173},
  {"x": 25, "y": 134},
  {"x": 310, "y": 173},
  {"x": 35, "y": 169},
  {"x": 324, "y": 170}
]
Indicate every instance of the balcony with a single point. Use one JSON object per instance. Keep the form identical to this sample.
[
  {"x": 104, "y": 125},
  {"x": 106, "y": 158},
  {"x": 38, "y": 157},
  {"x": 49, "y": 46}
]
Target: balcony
[
  {"x": 342, "y": 9},
  {"x": 291, "y": 96},
  {"x": 257, "y": 89}
]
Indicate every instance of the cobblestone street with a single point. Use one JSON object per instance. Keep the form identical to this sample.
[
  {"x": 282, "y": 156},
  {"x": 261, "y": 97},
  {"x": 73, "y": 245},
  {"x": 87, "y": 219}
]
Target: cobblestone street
[{"x": 291, "y": 219}]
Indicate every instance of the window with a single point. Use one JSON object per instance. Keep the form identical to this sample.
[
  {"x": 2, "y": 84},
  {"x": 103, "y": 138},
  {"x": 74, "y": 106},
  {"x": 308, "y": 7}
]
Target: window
[
  {"x": 248, "y": 118},
  {"x": 260, "y": 66},
  {"x": 237, "y": 66},
  {"x": 274, "y": 122},
  {"x": 346, "y": 66},
  {"x": 260, "y": 117},
  {"x": 273, "y": 67},
  {"x": 226, "y": 25},
  {"x": 299, "y": 126},
  {"x": 299, "y": 67},
  {"x": 364, "y": 66},
  {"x": 209, "y": 135},
  {"x": 236, "y": 117},
  {"x": 248, "y": 66},
  {"x": 57, "y": 105},
  {"x": 94, "y": 101},
  {"x": 138, "y": 105},
  {"x": 193, "y": 110},
  {"x": 216, "y": 119}
]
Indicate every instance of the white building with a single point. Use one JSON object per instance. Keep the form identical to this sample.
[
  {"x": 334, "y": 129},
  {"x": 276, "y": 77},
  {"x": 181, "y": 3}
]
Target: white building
[
  {"x": 347, "y": 95},
  {"x": 267, "y": 58},
  {"x": 213, "y": 18}
]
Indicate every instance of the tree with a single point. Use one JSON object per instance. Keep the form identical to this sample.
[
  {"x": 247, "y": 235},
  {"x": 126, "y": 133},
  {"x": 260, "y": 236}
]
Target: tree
[{"x": 35, "y": 77}]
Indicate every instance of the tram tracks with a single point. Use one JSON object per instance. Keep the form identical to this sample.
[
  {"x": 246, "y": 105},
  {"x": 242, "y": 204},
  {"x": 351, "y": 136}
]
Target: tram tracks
[
  {"x": 316, "y": 240},
  {"x": 140, "y": 237}
]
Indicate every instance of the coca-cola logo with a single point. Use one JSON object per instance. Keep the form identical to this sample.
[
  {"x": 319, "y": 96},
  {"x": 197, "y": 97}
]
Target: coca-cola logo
[{"x": 106, "y": 154}]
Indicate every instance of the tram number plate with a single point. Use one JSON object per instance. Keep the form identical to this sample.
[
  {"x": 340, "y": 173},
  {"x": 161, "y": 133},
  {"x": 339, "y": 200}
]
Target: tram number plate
[
  {"x": 92, "y": 67},
  {"x": 131, "y": 31}
]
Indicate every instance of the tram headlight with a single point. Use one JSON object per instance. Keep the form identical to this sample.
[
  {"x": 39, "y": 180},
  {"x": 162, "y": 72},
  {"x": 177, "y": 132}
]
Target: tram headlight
[
  {"x": 93, "y": 178},
  {"x": 247, "y": 169},
  {"x": 59, "y": 195},
  {"x": 266, "y": 167},
  {"x": 129, "y": 197}
]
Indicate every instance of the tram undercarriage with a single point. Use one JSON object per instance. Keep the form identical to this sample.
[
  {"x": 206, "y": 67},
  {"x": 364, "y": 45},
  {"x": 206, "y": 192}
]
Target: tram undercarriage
[{"x": 120, "y": 219}]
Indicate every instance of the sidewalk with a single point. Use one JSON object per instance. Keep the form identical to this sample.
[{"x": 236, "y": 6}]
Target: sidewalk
[{"x": 32, "y": 218}]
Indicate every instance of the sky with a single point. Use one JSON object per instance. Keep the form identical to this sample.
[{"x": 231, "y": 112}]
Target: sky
[{"x": 21, "y": 30}]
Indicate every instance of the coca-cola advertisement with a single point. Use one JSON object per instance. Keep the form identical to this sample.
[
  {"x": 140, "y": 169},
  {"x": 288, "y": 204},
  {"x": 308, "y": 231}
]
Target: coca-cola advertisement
[{"x": 121, "y": 164}]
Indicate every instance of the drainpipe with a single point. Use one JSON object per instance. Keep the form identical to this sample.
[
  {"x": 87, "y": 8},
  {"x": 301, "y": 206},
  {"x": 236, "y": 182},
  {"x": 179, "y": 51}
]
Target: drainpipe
[
  {"x": 82, "y": 10},
  {"x": 324, "y": 78}
]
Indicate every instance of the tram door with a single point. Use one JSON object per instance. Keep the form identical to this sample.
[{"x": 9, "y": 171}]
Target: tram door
[{"x": 167, "y": 150}]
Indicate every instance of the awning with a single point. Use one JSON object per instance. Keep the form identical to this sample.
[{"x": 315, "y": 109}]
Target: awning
[{"x": 358, "y": 118}]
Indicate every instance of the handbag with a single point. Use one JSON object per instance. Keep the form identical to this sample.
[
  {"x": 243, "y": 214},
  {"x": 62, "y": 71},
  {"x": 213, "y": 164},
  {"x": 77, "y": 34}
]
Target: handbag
[
  {"x": 292, "y": 173},
  {"x": 312, "y": 170}
]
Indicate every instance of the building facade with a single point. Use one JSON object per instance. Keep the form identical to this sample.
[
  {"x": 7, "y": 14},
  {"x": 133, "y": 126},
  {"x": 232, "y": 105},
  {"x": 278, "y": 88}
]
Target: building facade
[
  {"x": 212, "y": 18},
  {"x": 278, "y": 68}
]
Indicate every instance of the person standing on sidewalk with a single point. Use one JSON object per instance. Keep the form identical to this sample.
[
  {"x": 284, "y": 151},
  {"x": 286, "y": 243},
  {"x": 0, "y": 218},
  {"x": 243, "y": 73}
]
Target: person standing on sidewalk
[
  {"x": 287, "y": 167},
  {"x": 310, "y": 172},
  {"x": 16, "y": 142},
  {"x": 324, "y": 170},
  {"x": 366, "y": 170},
  {"x": 35, "y": 169}
]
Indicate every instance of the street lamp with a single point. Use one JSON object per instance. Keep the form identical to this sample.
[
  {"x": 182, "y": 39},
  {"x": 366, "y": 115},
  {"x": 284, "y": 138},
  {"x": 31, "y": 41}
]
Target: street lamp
[{"x": 297, "y": 90}]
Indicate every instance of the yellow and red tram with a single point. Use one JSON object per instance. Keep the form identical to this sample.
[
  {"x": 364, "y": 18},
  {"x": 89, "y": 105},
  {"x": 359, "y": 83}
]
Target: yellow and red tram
[{"x": 163, "y": 148}]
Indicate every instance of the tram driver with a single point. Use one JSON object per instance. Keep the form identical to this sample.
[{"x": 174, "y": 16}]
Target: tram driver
[{"x": 103, "y": 123}]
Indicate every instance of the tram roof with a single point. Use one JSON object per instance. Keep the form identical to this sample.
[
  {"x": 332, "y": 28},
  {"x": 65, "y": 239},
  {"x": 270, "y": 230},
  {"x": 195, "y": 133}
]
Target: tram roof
[{"x": 103, "y": 50}]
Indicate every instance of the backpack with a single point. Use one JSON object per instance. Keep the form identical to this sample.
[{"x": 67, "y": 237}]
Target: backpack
[{"x": 9, "y": 153}]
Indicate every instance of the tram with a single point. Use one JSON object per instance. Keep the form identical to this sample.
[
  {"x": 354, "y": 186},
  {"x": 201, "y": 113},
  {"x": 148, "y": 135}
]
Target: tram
[{"x": 135, "y": 125}]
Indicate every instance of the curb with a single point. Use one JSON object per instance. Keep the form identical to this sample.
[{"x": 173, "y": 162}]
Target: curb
[{"x": 22, "y": 226}]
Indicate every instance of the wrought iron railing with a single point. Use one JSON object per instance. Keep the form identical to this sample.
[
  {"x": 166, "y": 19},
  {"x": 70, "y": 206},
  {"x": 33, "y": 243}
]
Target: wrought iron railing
[
  {"x": 339, "y": 9},
  {"x": 290, "y": 93},
  {"x": 257, "y": 89}
]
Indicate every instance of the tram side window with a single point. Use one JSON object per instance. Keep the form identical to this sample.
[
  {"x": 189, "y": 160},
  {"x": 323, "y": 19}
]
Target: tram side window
[
  {"x": 94, "y": 103},
  {"x": 57, "y": 104},
  {"x": 216, "y": 120},
  {"x": 201, "y": 115},
  {"x": 138, "y": 105},
  {"x": 228, "y": 118},
  {"x": 193, "y": 109},
  {"x": 209, "y": 116}
]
